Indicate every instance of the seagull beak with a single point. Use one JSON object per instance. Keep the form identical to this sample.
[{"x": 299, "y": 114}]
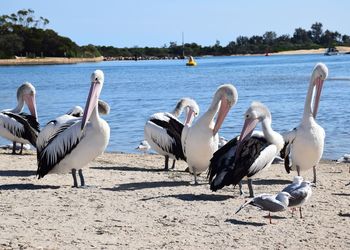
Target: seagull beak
[
  {"x": 91, "y": 102},
  {"x": 319, "y": 85},
  {"x": 224, "y": 109},
  {"x": 30, "y": 101}
]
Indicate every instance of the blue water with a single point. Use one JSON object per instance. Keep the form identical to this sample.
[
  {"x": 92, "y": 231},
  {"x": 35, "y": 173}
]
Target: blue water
[{"x": 135, "y": 90}]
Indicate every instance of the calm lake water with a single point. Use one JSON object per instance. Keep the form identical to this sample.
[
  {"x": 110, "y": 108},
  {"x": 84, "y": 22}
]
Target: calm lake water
[{"x": 136, "y": 90}]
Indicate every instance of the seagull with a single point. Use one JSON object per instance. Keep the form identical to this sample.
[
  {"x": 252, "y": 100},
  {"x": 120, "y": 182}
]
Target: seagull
[
  {"x": 300, "y": 192},
  {"x": 305, "y": 143},
  {"x": 271, "y": 203},
  {"x": 222, "y": 141},
  {"x": 143, "y": 147}
]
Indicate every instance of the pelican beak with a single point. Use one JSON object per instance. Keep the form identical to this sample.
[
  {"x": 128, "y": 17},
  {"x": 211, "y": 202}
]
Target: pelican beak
[
  {"x": 91, "y": 102},
  {"x": 29, "y": 99},
  {"x": 224, "y": 109},
  {"x": 248, "y": 128},
  {"x": 319, "y": 85},
  {"x": 190, "y": 116}
]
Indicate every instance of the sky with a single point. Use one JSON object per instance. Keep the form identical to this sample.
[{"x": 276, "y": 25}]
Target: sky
[{"x": 155, "y": 23}]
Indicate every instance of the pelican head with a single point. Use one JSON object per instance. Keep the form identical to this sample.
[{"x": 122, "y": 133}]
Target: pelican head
[
  {"x": 228, "y": 96},
  {"x": 319, "y": 75},
  {"x": 97, "y": 79},
  {"x": 26, "y": 92},
  {"x": 192, "y": 110},
  {"x": 256, "y": 113}
]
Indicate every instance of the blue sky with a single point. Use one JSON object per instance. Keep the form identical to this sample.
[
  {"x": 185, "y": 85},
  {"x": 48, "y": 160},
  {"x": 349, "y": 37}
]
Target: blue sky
[{"x": 157, "y": 22}]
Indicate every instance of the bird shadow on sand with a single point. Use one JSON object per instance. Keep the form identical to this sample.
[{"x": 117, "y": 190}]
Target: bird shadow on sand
[
  {"x": 271, "y": 182},
  {"x": 341, "y": 194},
  {"x": 145, "y": 185},
  {"x": 17, "y": 173},
  {"x": 136, "y": 169},
  {"x": 26, "y": 186},
  {"x": 193, "y": 197},
  {"x": 245, "y": 223},
  {"x": 341, "y": 214}
]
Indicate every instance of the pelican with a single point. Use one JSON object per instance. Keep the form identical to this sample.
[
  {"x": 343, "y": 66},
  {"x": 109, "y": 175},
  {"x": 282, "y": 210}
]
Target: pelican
[
  {"x": 163, "y": 130},
  {"x": 78, "y": 141},
  {"x": 305, "y": 143},
  {"x": 72, "y": 115},
  {"x": 201, "y": 140},
  {"x": 271, "y": 203},
  {"x": 300, "y": 192},
  {"x": 246, "y": 155},
  {"x": 18, "y": 126}
]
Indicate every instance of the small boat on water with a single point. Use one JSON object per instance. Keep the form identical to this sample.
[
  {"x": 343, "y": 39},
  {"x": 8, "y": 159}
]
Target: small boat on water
[
  {"x": 331, "y": 51},
  {"x": 191, "y": 62}
]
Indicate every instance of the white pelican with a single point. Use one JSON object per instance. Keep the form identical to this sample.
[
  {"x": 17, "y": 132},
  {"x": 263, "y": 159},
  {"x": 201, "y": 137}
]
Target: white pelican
[
  {"x": 305, "y": 143},
  {"x": 72, "y": 115},
  {"x": 246, "y": 155},
  {"x": 78, "y": 141},
  {"x": 163, "y": 130},
  {"x": 201, "y": 140},
  {"x": 18, "y": 126},
  {"x": 271, "y": 203}
]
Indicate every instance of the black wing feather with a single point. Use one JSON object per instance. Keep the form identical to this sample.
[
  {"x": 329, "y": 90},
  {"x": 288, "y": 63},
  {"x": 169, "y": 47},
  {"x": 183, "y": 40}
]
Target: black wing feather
[
  {"x": 30, "y": 124},
  {"x": 225, "y": 171},
  {"x": 174, "y": 129},
  {"x": 45, "y": 162}
]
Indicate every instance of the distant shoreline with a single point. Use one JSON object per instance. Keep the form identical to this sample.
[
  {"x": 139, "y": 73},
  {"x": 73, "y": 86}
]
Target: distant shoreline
[
  {"x": 64, "y": 60},
  {"x": 47, "y": 61}
]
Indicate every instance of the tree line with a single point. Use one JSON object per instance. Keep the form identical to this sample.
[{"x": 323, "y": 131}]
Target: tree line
[{"x": 21, "y": 34}]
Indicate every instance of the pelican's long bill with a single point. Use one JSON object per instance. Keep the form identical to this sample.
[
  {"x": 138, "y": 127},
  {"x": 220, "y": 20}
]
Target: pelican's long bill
[
  {"x": 190, "y": 116},
  {"x": 318, "y": 86},
  {"x": 29, "y": 99},
  {"x": 91, "y": 101},
  {"x": 247, "y": 130},
  {"x": 224, "y": 109}
]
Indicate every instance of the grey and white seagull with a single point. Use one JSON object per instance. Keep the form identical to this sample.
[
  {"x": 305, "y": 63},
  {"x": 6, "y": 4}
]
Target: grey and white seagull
[{"x": 267, "y": 202}]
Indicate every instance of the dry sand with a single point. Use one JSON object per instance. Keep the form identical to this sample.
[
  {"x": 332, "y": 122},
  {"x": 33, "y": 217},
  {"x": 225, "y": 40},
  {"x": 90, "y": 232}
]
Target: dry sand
[
  {"x": 133, "y": 204},
  {"x": 47, "y": 60}
]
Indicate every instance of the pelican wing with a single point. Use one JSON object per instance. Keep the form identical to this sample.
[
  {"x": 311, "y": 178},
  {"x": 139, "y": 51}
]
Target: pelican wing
[
  {"x": 229, "y": 169},
  {"x": 288, "y": 141},
  {"x": 59, "y": 145},
  {"x": 51, "y": 129},
  {"x": 165, "y": 131},
  {"x": 221, "y": 163},
  {"x": 21, "y": 125}
]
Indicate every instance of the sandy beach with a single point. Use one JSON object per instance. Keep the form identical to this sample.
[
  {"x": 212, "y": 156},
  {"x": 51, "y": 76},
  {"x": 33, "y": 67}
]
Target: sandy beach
[
  {"x": 133, "y": 204},
  {"x": 47, "y": 60}
]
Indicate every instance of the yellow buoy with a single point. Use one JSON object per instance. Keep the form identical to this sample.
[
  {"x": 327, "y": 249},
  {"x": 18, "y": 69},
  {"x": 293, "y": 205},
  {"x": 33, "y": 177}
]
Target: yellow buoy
[{"x": 191, "y": 62}]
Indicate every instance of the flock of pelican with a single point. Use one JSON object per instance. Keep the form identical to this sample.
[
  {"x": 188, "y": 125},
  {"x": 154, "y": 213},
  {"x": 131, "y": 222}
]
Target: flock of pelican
[{"x": 69, "y": 142}]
